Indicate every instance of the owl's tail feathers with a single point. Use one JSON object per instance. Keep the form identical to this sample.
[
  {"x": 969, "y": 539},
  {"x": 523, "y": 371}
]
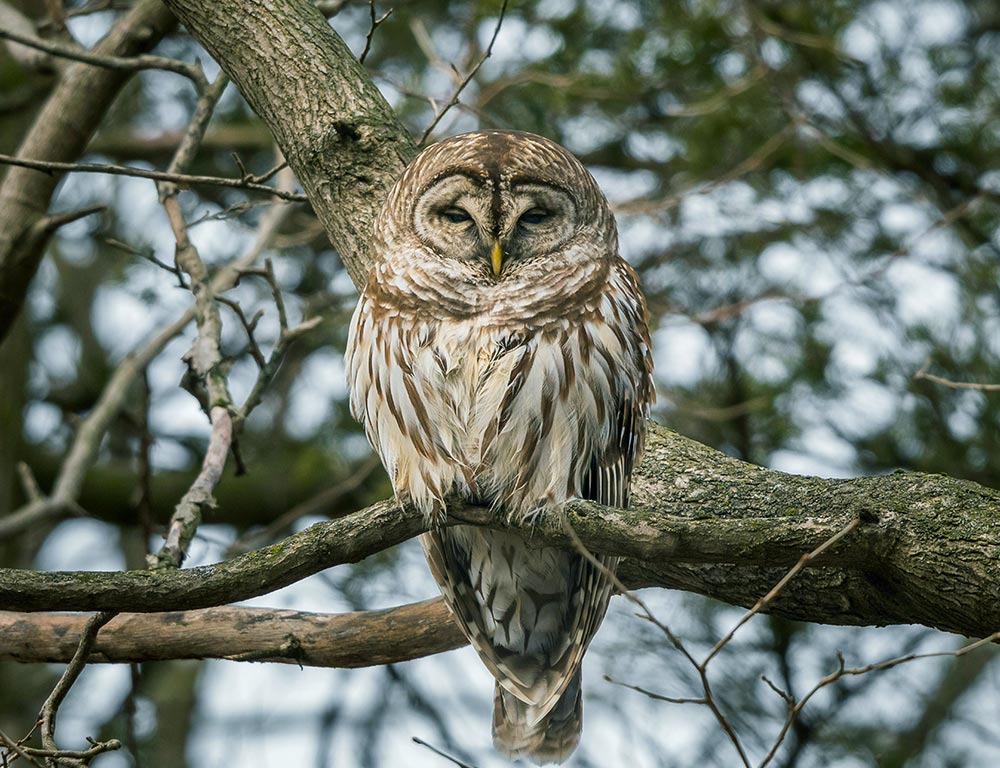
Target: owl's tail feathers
[{"x": 519, "y": 730}]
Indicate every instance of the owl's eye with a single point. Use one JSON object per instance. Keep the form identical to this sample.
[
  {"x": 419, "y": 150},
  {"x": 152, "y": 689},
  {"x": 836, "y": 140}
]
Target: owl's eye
[
  {"x": 534, "y": 216},
  {"x": 456, "y": 215}
]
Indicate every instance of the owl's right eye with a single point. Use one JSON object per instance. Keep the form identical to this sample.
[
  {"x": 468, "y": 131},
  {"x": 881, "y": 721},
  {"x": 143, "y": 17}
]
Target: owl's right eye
[{"x": 456, "y": 215}]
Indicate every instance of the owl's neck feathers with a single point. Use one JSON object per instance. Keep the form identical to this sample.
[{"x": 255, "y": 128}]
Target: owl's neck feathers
[{"x": 460, "y": 290}]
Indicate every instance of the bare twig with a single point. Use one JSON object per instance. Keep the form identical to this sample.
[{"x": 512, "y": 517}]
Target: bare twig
[
  {"x": 445, "y": 755},
  {"x": 320, "y": 504},
  {"x": 923, "y": 374},
  {"x": 708, "y": 699},
  {"x": 286, "y": 335},
  {"x": 13, "y": 746},
  {"x": 129, "y": 63},
  {"x": 200, "y": 496},
  {"x": 776, "y": 590},
  {"x": 205, "y": 363},
  {"x": 439, "y": 113},
  {"x": 842, "y": 670},
  {"x": 50, "y": 708},
  {"x": 81, "y": 756},
  {"x": 375, "y": 23},
  {"x": 654, "y": 696},
  {"x": 191, "y": 141},
  {"x": 53, "y": 221},
  {"x": 142, "y": 173}
]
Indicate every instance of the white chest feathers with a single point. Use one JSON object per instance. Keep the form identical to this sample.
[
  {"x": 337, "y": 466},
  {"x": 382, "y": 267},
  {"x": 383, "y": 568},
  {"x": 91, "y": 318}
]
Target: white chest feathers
[{"x": 515, "y": 419}]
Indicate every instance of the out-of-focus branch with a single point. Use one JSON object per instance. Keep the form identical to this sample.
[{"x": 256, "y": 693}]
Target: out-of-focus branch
[
  {"x": 249, "y": 182},
  {"x": 124, "y": 63},
  {"x": 440, "y": 113},
  {"x": 923, "y": 374},
  {"x": 320, "y": 504},
  {"x": 69, "y": 481},
  {"x": 239, "y": 633},
  {"x": 13, "y": 21},
  {"x": 60, "y": 133}
]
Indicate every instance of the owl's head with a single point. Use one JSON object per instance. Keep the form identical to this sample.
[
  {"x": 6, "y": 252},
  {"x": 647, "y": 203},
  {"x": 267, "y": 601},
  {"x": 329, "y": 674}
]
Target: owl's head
[{"x": 494, "y": 209}]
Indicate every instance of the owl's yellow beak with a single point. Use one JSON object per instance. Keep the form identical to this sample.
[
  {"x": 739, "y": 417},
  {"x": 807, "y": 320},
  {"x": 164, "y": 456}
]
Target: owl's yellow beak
[{"x": 496, "y": 257}]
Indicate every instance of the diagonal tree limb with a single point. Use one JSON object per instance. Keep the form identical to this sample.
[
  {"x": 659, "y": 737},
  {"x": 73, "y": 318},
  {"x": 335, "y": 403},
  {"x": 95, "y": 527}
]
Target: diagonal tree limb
[{"x": 333, "y": 126}]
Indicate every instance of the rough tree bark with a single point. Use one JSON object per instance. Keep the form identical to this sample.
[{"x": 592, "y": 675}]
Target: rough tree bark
[
  {"x": 333, "y": 125},
  {"x": 926, "y": 546}
]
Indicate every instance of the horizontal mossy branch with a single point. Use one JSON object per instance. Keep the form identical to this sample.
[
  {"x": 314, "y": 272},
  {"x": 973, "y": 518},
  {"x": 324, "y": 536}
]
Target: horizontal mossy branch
[{"x": 925, "y": 551}]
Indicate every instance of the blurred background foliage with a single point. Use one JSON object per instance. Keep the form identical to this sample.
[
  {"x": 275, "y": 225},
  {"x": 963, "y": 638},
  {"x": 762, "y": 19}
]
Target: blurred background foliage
[{"x": 810, "y": 191}]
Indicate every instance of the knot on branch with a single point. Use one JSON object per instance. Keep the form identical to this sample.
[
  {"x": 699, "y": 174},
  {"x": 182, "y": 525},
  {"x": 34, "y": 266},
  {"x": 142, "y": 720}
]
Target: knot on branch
[{"x": 347, "y": 130}]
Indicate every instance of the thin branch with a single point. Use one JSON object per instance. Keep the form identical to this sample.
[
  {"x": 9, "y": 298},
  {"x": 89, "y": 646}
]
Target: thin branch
[
  {"x": 652, "y": 695},
  {"x": 200, "y": 497},
  {"x": 182, "y": 179},
  {"x": 81, "y": 756},
  {"x": 708, "y": 699},
  {"x": 439, "y": 113},
  {"x": 128, "y": 63},
  {"x": 207, "y": 369},
  {"x": 13, "y": 746},
  {"x": 795, "y": 708},
  {"x": 777, "y": 589},
  {"x": 191, "y": 141},
  {"x": 445, "y": 755},
  {"x": 50, "y": 708},
  {"x": 923, "y": 374},
  {"x": 267, "y": 369},
  {"x": 375, "y": 24},
  {"x": 53, "y": 221}
]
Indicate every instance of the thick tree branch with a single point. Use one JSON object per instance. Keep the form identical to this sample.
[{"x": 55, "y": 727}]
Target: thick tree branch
[
  {"x": 924, "y": 552},
  {"x": 238, "y": 633},
  {"x": 341, "y": 137}
]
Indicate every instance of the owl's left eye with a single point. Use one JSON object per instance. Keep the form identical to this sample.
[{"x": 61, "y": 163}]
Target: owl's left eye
[
  {"x": 534, "y": 216},
  {"x": 456, "y": 215}
]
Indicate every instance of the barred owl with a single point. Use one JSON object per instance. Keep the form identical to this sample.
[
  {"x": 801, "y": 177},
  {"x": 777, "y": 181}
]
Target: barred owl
[{"x": 500, "y": 352}]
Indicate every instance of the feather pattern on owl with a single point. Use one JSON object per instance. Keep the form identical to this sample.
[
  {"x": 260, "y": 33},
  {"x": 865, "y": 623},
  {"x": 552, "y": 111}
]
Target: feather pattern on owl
[{"x": 500, "y": 351}]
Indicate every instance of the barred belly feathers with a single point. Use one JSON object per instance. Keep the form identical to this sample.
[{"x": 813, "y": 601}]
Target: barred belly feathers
[{"x": 500, "y": 352}]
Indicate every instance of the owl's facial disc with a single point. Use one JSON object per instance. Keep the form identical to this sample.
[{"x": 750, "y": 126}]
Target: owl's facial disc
[
  {"x": 452, "y": 218},
  {"x": 538, "y": 221},
  {"x": 493, "y": 224}
]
